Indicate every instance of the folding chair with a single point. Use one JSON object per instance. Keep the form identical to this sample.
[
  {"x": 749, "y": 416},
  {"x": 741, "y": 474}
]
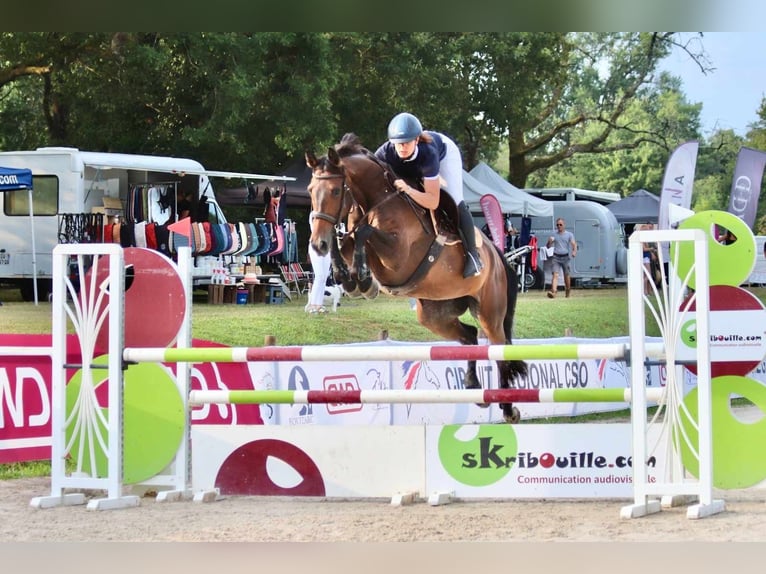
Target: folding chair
[
  {"x": 290, "y": 279},
  {"x": 302, "y": 277}
]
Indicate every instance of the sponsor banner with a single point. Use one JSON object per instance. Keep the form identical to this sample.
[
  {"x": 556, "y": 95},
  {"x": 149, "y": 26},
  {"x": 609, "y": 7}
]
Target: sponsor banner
[
  {"x": 737, "y": 334},
  {"x": 536, "y": 461},
  {"x": 337, "y": 376},
  {"x": 677, "y": 185},
  {"x": 746, "y": 184},
  {"x": 493, "y": 214},
  {"x": 225, "y": 376},
  {"x": 678, "y": 181},
  {"x": 25, "y": 390},
  {"x": 25, "y": 400},
  {"x": 26, "y": 387},
  {"x": 469, "y": 461},
  {"x": 332, "y": 461}
]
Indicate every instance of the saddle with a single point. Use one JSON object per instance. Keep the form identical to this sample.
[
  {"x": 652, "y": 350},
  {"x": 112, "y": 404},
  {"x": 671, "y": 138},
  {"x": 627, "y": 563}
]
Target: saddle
[
  {"x": 445, "y": 217},
  {"x": 445, "y": 221}
]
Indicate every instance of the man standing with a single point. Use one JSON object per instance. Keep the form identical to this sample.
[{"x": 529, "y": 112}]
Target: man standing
[{"x": 561, "y": 241}]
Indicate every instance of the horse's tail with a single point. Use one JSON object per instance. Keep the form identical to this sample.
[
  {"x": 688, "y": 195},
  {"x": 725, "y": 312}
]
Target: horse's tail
[
  {"x": 515, "y": 368},
  {"x": 512, "y": 293}
]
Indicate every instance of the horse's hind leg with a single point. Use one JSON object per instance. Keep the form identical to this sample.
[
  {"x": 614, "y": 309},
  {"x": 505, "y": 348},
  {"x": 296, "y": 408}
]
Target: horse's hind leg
[
  {"x": 508, "y": 371},
  {"x": 442, "y": 318}
]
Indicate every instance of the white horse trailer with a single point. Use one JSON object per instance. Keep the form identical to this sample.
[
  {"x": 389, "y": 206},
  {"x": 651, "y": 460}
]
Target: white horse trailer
[{"x": 68, "y": 182}]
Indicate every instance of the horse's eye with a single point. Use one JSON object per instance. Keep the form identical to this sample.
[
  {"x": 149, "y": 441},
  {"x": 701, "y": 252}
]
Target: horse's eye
[{"x": 336, "y": 191}]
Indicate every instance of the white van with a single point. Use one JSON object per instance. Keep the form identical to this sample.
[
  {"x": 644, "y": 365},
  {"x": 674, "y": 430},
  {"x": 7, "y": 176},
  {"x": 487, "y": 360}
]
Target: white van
[{"x": 71, "y": 186}]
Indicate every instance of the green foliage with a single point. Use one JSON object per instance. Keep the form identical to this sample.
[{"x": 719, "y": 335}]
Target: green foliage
[
  {"x": 255, "y": 101},
  {"x": 25, "y": 469}
]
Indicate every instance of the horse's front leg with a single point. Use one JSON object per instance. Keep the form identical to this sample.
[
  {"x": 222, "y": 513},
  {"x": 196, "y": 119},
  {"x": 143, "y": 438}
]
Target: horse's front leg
[
  {"x": 359, "y": 266},
  {"x": 340, "y": 272},
  {"x": 360, "y": 269}
]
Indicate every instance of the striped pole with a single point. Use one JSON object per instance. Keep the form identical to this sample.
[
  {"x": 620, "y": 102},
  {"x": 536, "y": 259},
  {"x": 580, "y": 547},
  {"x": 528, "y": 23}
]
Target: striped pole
[
  {"x": 614, "y": 351},
  {"x": 197, "y": 398}
]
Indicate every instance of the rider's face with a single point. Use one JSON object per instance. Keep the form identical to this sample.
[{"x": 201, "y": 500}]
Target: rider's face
[{"x": 406, "y": 149}]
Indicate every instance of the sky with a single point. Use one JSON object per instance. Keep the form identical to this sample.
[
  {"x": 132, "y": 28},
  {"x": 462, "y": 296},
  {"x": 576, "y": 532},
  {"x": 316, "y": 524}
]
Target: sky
[{"x": 732, "y": 94}]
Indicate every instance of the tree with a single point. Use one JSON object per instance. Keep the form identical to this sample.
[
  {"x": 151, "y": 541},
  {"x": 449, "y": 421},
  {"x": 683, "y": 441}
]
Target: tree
[
  {"x": 663, "y": 109},
  {"x": 251, "y": 101},
  {"x": 232, "y": 100},
  {"x": 585, "y": 90}
]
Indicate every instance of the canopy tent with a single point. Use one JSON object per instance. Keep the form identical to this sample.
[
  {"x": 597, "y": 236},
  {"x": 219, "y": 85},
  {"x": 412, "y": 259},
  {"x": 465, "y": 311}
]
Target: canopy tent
[
  {"x": 12, "y": 179},
  {"x": 511, "y": 198},
  {"x": 296, "y": 190},
  {"x": 641, "y": 206}
]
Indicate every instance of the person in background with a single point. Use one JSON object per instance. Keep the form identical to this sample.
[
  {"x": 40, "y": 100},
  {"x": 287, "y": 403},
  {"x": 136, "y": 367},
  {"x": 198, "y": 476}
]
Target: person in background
[
  {"x": 271, "y": 205},
  {"x": 320, "y": 265},
  {"x": 184, "y": 205},
  {"x": 728, "y": 238},
  {"x": 511, "y": 236},
  {"x": 564, "y": 247},
  {"x": 427, "y": 156},
  {"x": 649, "y": 256}
]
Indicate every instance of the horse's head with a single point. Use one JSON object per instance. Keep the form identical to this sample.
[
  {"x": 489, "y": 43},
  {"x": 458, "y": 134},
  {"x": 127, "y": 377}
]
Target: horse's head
[{"x": 330, "y": 200}]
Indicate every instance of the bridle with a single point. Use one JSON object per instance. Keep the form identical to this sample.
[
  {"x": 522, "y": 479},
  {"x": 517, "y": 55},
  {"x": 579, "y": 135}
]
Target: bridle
[
  {"x": 344, "y": 189},
  {"x": 335, "y": 221}
]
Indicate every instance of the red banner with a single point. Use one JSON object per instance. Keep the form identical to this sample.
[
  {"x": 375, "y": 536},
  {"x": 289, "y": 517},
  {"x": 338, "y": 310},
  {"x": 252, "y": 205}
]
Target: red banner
[
  {"x": 26, "y": 393},
  {"x": 493, "y": 213}
]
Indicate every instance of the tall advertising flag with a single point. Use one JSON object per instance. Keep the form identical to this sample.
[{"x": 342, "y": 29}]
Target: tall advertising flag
[
  {"x": 678, "y": 182},
  {"x": 493, "y": 213},
  {"x": 746, "y": 184}
]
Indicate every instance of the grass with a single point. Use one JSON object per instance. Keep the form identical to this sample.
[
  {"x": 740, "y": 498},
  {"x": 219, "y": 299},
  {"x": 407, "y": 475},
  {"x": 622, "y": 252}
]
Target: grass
[
  {"x": 594, "y": 313},
  {"x": 589, "y": 313}
]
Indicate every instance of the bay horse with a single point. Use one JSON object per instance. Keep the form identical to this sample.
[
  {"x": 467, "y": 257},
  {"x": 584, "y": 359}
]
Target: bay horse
[{"x": 393, "y": 244}]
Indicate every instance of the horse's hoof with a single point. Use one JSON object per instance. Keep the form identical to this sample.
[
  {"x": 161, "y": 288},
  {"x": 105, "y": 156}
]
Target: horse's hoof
[
  {"x": 512, "y": 418},
  {"x": 482, "y": 405}
]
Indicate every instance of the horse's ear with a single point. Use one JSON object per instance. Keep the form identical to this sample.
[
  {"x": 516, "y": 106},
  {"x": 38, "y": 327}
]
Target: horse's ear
[
  {"x": 333, "y": 156},
  {"x": 311, "y": 160}
]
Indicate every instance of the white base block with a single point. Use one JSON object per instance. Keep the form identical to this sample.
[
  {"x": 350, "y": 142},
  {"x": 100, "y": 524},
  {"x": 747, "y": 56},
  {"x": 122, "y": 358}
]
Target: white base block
[
  {"x": 674, "y": 500},
  {"x": 113, "y": 503},
  {"x": 63, "y": 500},
  {"x": 639, "y": 510},
  {"x": 403, "y": 498},
  {"x": 173, "y": 495},
  {"x": 703, "y": 510},
  {"x": 207, "y": 495},
  {"x": 439, "y": 498}
]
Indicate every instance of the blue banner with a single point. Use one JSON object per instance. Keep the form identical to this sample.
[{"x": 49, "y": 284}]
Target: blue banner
[{"x": 12, "y": 178}]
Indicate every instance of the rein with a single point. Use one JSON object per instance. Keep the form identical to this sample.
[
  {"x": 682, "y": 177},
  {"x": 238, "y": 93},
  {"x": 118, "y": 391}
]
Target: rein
[
  {"x": 437, "y": 243},
  {"x": 345, "y": 189}
]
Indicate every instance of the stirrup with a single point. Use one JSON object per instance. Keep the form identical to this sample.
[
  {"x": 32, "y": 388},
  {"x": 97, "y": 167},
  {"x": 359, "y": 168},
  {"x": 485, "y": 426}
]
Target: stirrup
[{"x": 472, "y": 267}]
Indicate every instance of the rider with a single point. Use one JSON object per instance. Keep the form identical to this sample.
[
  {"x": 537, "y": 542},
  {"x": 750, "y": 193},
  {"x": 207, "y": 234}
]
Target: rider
[{"x": 416, "y": 154}]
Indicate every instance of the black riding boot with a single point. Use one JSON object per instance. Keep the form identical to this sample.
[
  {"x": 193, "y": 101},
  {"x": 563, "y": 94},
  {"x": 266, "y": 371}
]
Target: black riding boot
[{"x": 473, "y": 264}]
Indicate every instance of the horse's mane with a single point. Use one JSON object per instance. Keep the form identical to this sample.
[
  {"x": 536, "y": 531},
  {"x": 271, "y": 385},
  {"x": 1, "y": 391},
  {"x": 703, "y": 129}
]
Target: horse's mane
[{"x": 350, "y": 145}]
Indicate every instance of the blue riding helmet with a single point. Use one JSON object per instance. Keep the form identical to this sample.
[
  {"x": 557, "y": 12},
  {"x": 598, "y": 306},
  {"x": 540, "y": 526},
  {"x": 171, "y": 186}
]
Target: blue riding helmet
[{"x": 404, "y": 128}]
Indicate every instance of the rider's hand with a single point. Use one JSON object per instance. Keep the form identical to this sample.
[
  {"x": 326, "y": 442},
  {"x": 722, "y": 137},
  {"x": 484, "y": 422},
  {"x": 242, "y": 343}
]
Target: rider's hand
[{"x": 401, "y": 185}]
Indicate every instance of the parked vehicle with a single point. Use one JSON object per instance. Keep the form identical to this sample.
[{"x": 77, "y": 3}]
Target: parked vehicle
[
  {"x": 601, "y": 253},
  {"x": 72, "y": 188}
]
